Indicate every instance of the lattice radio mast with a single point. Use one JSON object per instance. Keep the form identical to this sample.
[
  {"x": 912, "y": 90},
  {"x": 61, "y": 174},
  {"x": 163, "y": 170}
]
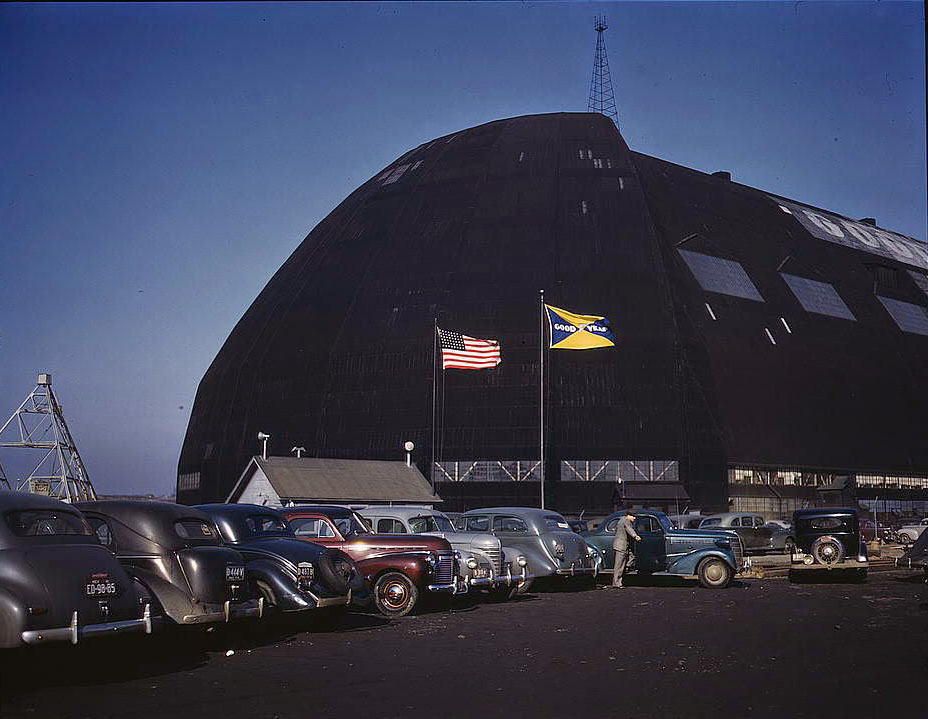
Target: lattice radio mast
[
  {"x": 602, "y": 97},
  {"x": 39, "y": 424}
]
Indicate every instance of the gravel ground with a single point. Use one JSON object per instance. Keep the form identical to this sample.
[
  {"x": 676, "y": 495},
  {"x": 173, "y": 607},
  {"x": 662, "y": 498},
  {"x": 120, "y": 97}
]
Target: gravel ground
[{"x": 664, "y": 649}]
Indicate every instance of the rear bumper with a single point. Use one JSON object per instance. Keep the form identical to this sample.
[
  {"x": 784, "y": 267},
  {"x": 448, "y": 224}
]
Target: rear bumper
[
  {"x": 74, "y": 632},
  {"x": 227, "y": 611},
  {"x": 505, "y": 578}
]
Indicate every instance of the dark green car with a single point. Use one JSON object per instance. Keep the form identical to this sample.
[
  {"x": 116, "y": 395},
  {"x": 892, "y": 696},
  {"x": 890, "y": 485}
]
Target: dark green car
[{"x": 711, "y": 556}]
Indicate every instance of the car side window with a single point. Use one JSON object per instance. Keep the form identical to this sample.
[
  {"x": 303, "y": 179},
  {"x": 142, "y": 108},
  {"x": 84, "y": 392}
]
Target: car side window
[
  {"x": 390, "y": 526},
  {"x": 612, "y": 525},
  {"x": 103, "y": 531},
  {"x": 305, "y": 526},
  {"x": 513, "y": 525},
  {"x": 477, "y": 524},
  {"x": 758, "y": 522},
  {"x": 646, "y": 524}
]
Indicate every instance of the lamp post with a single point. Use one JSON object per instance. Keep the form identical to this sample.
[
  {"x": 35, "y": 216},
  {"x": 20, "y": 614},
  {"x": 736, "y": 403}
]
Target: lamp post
[
  {"x": 409, "y": 447},
  {"x": 299, "y": 451},
  {"x": 263, "y": 438}
]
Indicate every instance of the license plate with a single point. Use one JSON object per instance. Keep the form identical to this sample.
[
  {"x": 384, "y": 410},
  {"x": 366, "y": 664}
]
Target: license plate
[
  {"x": 100, "y": 585},
  {"x": 481, "y": 572},
  {"x": 235, "y": 573}
]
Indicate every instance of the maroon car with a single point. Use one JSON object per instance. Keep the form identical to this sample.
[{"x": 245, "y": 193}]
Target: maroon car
[{"x": 399, "y": 568}]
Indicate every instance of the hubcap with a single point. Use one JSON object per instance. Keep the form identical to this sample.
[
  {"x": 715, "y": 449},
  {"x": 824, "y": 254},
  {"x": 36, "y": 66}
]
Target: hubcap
[
  {"x": 394, "y": 595},
  {"x": 714, "y": 572}
]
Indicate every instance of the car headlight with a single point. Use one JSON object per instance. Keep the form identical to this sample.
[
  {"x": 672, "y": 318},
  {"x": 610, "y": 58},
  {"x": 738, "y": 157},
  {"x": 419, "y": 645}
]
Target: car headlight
[
  {"x": 471, "y": 562},
  {"x": 521, "y": 561},
  {"x": 433, "y": 560},
  {"x": 560, "y": 551}
]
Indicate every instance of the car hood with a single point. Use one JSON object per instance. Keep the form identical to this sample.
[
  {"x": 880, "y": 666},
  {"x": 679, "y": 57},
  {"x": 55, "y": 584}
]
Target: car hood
[{"x": 391, "y": 543}]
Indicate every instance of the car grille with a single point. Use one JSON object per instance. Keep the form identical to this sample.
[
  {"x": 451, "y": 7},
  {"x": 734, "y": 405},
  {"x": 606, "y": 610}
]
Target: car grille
[
  {"x": 445, "y": 568},
  {"x": 497, "y": 558},
  {"x": 737, "y": 548}
]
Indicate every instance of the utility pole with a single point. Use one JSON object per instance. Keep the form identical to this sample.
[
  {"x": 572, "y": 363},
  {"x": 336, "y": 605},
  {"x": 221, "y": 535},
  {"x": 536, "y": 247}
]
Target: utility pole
[
  {"x": 602, "y": 96},
  {"x": 39, "y": 424}
]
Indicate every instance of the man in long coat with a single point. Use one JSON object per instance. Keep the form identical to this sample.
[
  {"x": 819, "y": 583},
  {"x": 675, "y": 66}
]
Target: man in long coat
[{"x": 624, "y": 530}]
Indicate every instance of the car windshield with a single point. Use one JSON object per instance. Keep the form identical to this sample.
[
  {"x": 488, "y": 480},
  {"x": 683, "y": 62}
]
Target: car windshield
[
  {"x": 352, "y": 524},
  {"x": 555, "y": 521},
  {"x": 47, "y": 522},
  {"x": 665, "y": 521},
  {"x": 430, "y": 523},
  {"x": 266, "y": 525}
]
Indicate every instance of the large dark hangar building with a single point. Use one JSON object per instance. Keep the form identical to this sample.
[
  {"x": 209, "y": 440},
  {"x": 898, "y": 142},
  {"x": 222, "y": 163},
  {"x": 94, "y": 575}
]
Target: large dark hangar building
[{"x": 766, "y": 349}]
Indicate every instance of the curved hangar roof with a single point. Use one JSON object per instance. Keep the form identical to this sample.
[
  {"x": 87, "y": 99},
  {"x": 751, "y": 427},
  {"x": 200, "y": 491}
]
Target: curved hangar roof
[{"x": 750, "y": 328}]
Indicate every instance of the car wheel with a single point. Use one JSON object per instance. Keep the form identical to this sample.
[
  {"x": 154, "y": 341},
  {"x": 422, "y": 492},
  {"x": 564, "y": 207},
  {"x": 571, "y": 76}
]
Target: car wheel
[
  {"x": 337, "y": 570},
  {"x": 714, "y": 573},
  {"x": 394, "y": 594},
  {"x": 827, "y": 550}
]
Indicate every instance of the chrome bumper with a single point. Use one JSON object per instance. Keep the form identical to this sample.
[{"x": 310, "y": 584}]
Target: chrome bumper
[
  {"x": 227, "y": 611},
  {"x": 74, "y": 633},
  {"x": 575, "y": 571},
  {"x": 506, "y": 578},
  {"x": 458, "y": 586}
]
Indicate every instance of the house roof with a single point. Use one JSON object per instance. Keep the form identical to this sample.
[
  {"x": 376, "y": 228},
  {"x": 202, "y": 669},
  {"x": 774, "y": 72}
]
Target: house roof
[{"x": 339, "y": 480}]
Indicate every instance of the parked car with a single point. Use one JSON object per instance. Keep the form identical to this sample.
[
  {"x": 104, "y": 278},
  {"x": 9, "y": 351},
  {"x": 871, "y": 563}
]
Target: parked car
[
  {"x": 916, "y": 556},
  {"x": 829, "y": 538},
  {"x": 544, "y": 538},
  {"x": 57, "y": 583},
  {"x": 909, "y": 532},
  {"x": 290, "y": 575},
  {"x": 781, "y": 523},
  {"x": 176, "y": 554},
  {"x": 685, "y": 521},
  {"x": 483, "y": 562},
  {"x": 750, "y": 527},
  {"x": 713, "y": 557},
  {"x": 782, "y": 539},
  {"x": 398, "y": 568}
]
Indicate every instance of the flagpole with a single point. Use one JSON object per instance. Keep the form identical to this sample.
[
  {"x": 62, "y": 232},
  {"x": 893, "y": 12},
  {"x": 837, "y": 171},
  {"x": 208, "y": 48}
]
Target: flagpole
[
  {"x": 434, "y": 385},
  {"x": 541, "y": 392}
]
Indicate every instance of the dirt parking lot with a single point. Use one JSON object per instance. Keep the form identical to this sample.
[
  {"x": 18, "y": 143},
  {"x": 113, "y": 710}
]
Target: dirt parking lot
[{"x": 669, "y": 649}]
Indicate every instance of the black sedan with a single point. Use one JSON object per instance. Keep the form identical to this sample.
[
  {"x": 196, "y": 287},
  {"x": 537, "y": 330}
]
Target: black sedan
[
  {"x": 289, "y": 574},
  {"x": 57, "y": 584},
  {"x": 176, "y": 553}
]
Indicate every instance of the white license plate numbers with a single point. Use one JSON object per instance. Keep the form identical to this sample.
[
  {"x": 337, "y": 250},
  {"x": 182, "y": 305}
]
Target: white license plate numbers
[
  {"x": 481, "y": 573},
  {"x": 235, "y": 574},
  {"x": 101, "y": 588}
]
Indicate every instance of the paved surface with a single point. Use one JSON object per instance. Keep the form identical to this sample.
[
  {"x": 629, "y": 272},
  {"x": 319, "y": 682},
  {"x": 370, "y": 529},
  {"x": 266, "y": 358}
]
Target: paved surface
[{"x": 759, "y": 649}]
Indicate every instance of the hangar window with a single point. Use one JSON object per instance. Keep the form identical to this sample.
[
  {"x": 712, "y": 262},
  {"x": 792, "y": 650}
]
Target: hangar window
[
  {"x": 818, "y": 297},
  {"x": 909, "y": 317},
  {"x": 725, "y": 277}
]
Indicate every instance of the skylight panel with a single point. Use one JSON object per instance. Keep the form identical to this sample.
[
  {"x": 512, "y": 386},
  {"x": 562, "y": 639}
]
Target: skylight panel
[
  {"x": 909, "y": 317},
  {"x": 725, "y": 277},
  {"x": 818, "y": 297}
]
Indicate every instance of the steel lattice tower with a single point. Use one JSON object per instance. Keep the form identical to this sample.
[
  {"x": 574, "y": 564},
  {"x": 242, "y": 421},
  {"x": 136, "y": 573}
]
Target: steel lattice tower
[
  {"x": 602, "y": 97},
  {"x": 38, "y": 424}
]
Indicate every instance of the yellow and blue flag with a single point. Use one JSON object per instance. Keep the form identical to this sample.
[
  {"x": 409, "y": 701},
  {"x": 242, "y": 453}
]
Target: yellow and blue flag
[{"x": 570, "y": 331}]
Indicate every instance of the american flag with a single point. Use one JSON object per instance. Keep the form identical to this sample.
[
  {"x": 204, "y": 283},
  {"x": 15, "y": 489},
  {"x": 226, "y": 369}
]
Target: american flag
[{"x": 462, "y": 352}]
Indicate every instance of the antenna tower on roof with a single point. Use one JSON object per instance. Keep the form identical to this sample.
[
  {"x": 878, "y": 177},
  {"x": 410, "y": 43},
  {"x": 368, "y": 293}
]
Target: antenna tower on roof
[{"x": 602, "y": 97}]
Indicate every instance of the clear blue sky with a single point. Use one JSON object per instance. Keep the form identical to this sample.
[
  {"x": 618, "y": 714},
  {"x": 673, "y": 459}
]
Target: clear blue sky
[{"x": 159, "y": 163}]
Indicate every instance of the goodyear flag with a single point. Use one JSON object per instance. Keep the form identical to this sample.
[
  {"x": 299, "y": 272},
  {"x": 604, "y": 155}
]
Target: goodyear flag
[
  {"x": 570, "y": 331},
  {"x": 462, "y": 352}
]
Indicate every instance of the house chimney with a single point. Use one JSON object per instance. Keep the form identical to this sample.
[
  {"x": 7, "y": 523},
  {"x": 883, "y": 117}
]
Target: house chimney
[{"x": 722, "y": 175}]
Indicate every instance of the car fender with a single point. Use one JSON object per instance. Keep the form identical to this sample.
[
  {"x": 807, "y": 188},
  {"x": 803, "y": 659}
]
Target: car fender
[
  {"x": 413, "y": 566},
  {"x": 539, "y": 564},
  {"x": 12, "y": 620},
  {"x": 688, "y": 563},
  {"x": 287, "y": 596},
  {"x": 173, "y": 602}
]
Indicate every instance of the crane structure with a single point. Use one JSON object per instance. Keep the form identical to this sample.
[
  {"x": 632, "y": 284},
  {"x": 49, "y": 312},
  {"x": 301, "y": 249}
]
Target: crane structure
[{"x": 39, "y": 425}]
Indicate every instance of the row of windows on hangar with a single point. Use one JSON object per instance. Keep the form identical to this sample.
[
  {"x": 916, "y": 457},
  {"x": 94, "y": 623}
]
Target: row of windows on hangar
[{"x": 728, "y": 277}]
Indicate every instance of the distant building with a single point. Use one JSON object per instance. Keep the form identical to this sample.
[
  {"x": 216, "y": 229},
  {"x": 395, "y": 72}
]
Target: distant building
[
  {"x": 279, "y": 481},
  {"x": 765, "y": 348}
]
